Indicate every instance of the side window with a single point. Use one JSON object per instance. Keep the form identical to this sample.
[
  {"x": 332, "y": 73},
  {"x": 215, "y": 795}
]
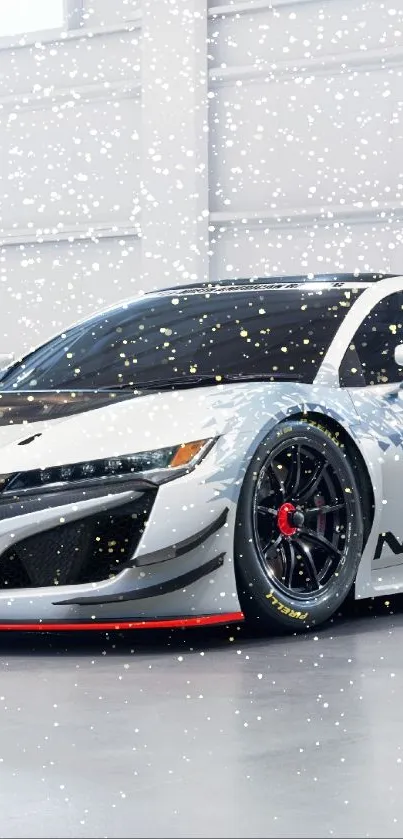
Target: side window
[{"x": 369, "y": 360}]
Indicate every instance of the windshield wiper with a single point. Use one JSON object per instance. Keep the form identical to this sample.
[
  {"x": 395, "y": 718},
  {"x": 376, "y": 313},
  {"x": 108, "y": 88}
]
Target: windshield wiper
[{"x": 199, "y": 379}]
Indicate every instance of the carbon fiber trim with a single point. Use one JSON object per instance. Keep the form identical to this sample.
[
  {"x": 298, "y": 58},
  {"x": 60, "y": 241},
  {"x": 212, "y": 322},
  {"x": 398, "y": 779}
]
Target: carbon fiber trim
[
  {"x": 184, "y": 546},
  {"x": 168, "y": 587}
]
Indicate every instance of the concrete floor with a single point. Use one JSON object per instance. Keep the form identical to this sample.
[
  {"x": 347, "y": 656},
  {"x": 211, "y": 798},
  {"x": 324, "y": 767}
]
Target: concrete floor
[{"x": 205, "y": 733}]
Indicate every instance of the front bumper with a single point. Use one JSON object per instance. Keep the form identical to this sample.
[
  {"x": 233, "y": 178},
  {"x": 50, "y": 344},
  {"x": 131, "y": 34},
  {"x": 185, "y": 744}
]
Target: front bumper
[{"x": 126, "y": 560}]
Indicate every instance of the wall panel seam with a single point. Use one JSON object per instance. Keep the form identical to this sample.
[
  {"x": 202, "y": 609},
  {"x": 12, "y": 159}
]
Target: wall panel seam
[
  {"x": 46, "y": 98},
  {"x": 349, "y": 62},
  {"x": 69, "y": 233},
  {"x": 251, "y": 6},
  {"x": 319, "y": 215}
]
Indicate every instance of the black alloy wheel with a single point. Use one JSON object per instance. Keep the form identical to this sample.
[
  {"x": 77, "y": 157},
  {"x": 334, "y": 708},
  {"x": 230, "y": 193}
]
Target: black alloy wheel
[{"x": 299, "y": 530}]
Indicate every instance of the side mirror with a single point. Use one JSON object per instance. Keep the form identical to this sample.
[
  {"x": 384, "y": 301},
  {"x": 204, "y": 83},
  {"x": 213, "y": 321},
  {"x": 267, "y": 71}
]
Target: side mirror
[
  {"x": 399, "y": 355},
  {"x": 5, "y": 360}
]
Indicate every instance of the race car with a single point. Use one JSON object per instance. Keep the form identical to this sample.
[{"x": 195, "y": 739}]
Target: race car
[{"x": 204, "y": 454}]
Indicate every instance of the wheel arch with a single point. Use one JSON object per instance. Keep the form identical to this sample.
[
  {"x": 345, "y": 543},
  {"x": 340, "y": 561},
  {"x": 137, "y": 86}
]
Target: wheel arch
[{"x": 344, "y": 439}]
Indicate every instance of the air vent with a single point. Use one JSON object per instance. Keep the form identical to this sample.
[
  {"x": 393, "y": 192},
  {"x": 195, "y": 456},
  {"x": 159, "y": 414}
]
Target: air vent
[{"x": 29, "y": 439}]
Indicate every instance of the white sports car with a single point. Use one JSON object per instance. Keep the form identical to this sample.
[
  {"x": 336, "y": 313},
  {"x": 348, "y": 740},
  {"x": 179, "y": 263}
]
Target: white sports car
[{"x": 206, "y": 453}]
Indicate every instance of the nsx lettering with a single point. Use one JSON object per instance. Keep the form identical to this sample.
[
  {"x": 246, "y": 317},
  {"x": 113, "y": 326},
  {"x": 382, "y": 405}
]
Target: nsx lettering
[{"x": 391, "y": 541}]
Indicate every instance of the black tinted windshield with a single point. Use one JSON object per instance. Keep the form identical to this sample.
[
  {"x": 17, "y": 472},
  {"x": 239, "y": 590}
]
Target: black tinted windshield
[{"x": 259, "y": 331}]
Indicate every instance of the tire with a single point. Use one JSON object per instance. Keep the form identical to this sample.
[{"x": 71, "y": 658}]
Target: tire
[{"x": 299, "y": 528}]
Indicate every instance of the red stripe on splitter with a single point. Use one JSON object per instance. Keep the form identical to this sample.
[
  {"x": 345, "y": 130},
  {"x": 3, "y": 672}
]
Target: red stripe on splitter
[{"x": 168, "y": 623}]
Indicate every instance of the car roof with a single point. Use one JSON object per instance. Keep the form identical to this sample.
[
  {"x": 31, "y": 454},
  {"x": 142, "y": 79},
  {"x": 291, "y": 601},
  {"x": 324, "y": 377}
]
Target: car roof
[
  {"x": 255, "y": 283},
  {"x": 240, "y": 284},
  {"x": 297, "y": 279}
]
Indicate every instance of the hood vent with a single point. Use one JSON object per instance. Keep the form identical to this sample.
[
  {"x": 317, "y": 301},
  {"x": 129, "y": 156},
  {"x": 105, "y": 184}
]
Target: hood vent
[{"x": 29, "y": 439}]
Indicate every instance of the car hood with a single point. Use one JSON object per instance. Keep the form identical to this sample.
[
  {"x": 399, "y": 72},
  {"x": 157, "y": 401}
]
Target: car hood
[{"x": 45, "y": 429}]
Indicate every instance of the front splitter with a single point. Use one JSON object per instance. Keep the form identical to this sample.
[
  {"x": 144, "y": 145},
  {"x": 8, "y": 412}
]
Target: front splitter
[{"x": 103, "y": 626}]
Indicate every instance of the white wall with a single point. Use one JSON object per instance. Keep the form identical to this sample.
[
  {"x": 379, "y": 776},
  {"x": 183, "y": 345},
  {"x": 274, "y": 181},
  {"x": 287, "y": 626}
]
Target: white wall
[
  {"x": 275, "y": 147},
  {"x": 70, "y": 115},
  {"x": 306, "y": 136}
]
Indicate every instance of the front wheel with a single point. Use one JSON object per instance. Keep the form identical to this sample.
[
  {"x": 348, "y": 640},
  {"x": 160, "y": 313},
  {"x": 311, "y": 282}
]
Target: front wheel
[{"x": 299, "y": 529}]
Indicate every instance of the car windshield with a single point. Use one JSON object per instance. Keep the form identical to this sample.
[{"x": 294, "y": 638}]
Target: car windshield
[{"x": 260, "y": 331}]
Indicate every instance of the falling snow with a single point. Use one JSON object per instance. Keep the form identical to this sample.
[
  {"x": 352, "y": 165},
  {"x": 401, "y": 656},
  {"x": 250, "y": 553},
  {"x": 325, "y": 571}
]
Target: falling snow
[{"x": 227, "y": 450}]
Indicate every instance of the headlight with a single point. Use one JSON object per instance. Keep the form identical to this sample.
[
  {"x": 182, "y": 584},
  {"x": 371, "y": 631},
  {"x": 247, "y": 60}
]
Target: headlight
[{"x": 165, "y": 462}]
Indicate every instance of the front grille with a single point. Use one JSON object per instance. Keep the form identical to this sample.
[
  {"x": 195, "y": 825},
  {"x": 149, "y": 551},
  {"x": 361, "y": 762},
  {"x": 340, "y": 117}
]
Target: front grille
[{"x": 88, "y": 550}]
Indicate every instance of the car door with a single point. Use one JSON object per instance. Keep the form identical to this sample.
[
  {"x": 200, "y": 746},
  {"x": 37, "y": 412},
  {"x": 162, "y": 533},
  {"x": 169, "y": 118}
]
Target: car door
[{"x": 375, "y": 384}]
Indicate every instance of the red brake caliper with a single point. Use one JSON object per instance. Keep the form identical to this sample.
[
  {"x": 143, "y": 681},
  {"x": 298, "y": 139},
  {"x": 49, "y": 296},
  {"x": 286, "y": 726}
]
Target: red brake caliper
[{"x": 284, "y": 519}]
